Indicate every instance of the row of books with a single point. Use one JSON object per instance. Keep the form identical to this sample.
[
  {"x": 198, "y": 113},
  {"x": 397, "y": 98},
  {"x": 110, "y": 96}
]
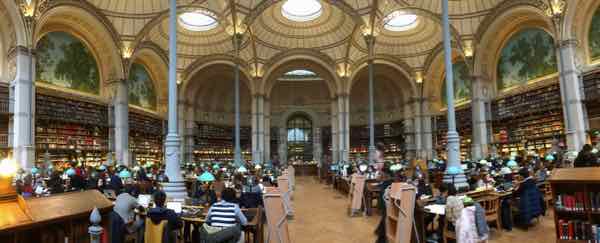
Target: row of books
[
  {"x": 578, "y": 230},
  {"x": 579, "y": 201}
]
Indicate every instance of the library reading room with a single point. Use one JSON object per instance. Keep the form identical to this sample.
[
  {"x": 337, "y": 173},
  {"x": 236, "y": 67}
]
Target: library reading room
[{"x": 304, "y": 121}]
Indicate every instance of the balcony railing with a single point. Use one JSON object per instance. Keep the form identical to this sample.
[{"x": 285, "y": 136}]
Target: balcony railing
[
  {"x": 4, "y": 105},
  {"x": 3, "y": 140}
]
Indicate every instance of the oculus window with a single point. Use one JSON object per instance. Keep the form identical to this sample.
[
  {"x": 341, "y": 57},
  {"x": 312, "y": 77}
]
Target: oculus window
[
  {"x": 301, "y": 10},
  {"x": 199, "y": 20},
  {"x": 400, "y": 21}
]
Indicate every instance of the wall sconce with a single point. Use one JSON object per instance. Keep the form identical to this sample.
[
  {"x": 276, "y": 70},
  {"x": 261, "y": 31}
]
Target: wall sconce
[
  {"x": 555, "y": 8},
  {"x": 179, "y": 79},
  {"x": 419, "y": 77},
  {"x": 368, "y": 30},
  {"x": 126, "y": 50},
  {"x": 256, "y": 70},
  {"x": 343, "y": 70},
  {"x": 468, "y": 48},
  {"x": 28, "y": 8}
]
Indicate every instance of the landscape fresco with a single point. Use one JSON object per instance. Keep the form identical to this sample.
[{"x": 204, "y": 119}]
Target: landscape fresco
[
  {"x": 462, "y": 83},
  {"x": 594, "y": 36},
  {"x": 64, "y": 61},
  {"x": 141, "y": 88},
  {"x": 529, "y": 54}
]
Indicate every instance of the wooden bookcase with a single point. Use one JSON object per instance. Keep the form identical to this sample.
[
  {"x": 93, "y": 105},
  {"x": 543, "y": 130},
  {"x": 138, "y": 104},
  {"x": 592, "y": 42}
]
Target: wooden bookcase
[
  {"x": 390, "y": 134},
  {"x": 531, "y": 120},
  {"x": 216, "y": 142},
  {"x": 569, "y": 181},
  {"x": 145, "y": 137},
  {"x": 4, "y": 119},
  {"x": 463, "y": 127},
  {"x": 68, "y": 130}
]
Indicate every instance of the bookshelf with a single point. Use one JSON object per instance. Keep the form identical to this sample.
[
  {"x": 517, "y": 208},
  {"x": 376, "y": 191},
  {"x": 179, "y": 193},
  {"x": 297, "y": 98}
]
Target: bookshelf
[
  {"x": 68, "y": 130},
  {"x": 591, "y": 87},
  {"x": 216, "y": 143},
  {"x": 4, "y": 119},
  {"x": 463, "y": 127},
  {"x": 391, "y": 134},
  {"x": 530, "y": 121},
  {"x": 576, "y": 196},
  {"x": 145, "y": 137}
]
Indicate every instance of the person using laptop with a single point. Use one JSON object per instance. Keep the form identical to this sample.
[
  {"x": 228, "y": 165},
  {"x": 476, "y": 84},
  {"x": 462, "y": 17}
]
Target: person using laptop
[{"x": 161, "y": 212}]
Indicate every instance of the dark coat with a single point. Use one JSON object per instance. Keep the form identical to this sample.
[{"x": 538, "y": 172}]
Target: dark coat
[
  {"x": 158, "y": 214},
  {"x": 530, "y": 201},
  {"x": 585, "y": 159},
  {"x": 118, "y": 229}
]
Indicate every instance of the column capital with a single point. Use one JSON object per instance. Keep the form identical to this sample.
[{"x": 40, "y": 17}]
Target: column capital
[
  {"x": 567, "y": 43},
  {"x": 20, "y": 50}
]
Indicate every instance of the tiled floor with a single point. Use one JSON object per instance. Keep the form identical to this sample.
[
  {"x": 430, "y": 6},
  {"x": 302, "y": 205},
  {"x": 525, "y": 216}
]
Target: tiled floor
[{"x": 320, "y": 217}]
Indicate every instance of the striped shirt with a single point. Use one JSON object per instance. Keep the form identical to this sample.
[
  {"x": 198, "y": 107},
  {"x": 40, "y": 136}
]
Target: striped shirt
[{"x": 225, "y": 214}]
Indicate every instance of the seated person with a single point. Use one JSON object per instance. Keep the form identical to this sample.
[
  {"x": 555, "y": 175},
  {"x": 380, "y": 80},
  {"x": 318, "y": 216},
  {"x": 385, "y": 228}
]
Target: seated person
[
  {"x": 122, "y": 218},
  {"x": 205, "y": 194},
  {"x": 530, "y": 200},
  {"x": 227, "y": 216},
  {"x": 454, "y": 206},
  {"x": 160, "y": 213},
  {"x": 439, "y": 199},
  {"x": 115, "y": 182}
]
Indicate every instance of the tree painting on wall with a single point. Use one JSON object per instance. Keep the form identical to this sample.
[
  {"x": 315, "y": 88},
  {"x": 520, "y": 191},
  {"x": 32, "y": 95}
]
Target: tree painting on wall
[
  {"x": 64, "y": 61},
  {"x": 594, "y": 36},
  {"x": 462, "y": 83},
  {"x": 529, "y": 54},
  {"x": 141, "y": 87}
]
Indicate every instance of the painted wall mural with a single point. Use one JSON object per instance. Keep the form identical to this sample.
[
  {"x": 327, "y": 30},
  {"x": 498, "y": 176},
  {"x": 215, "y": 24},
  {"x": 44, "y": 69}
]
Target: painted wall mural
[
  {"x": 462, "y": 83},
  {"x": 594, "y": 36},
  {"x": 64, "y": 61},
  {"x": 141, "y": 87},
  {"x": 529, "y": 54}
]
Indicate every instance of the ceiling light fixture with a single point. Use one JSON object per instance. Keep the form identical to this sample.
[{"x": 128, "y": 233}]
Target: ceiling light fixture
[
  {"x": 198, "y": 20},
  {"x": 400, "y": 21},
  {"x": 301, "y": 10}
]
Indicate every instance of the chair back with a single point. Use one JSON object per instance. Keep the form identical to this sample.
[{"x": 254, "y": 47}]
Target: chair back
[
  {"x": 491, "y": 204},
  {"x": 251, "y": 200},
  {"x": 154, "y": 232}
]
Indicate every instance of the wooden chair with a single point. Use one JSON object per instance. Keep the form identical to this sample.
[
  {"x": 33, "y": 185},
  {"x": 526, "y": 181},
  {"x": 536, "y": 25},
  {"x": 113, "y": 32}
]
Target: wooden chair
[
  {"x": 447, "y": 233},
  {"x": 547, "y": 195},
  {"x": 491, "y": 204},
  {"x": 154, "y": 232}
]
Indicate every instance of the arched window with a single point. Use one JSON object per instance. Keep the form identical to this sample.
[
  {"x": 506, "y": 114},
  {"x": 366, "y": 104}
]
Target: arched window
[
  {"x": 65, "y": 61},
  {"x": 141, "y": 87},
  {"x": 462, "y": 83},
  {"x": 594, "y": 36},
  {"x": 527, "y": 55},
  {"x": 299, "y": 138}
]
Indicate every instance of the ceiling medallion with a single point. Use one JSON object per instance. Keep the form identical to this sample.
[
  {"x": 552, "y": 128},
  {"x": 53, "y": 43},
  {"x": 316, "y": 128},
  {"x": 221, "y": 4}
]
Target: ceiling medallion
[
  {"x": 301, "y": 10},
  {"x": 198, "y": 20},
  {"x": 400, "y": 21}
]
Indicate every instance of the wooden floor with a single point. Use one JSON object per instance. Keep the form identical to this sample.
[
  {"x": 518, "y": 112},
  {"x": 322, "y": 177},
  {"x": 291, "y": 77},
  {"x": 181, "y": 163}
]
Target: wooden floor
[{"x": 320, "y": 217}]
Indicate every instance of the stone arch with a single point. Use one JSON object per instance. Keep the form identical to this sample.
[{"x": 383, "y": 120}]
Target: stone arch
[
  {"x": 12, "y": 34},
  {"x": 319, "y": 63},
  {"x": 395, "y": 63},
  {"x": 578, "y": 19},
  {"x": 154, "y": 62},
  {"x": 434, "y": 76},
  {"x": 85, "y": 24},
  {"x": 496, "y": 33},
  {"x": 205, "y": 63}
]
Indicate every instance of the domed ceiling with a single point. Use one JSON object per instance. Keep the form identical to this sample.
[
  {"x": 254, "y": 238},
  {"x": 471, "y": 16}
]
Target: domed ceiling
[{"x": 335, "y": 30}]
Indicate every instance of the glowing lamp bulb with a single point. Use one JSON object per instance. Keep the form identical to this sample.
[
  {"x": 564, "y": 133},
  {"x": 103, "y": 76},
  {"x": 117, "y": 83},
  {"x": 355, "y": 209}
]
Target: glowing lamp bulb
[{"x": 8, "y": 168}]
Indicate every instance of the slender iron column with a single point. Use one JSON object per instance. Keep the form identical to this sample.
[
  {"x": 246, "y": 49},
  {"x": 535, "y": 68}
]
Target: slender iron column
[
  {"x": 454, "y": 172},
  {"x": 370, "y": 39},
  {"x": 238, "y": 151}
]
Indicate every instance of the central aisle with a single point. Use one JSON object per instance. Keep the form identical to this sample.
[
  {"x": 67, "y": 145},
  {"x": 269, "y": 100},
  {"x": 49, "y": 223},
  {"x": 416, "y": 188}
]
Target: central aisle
[{"x": 320, "y": 216}]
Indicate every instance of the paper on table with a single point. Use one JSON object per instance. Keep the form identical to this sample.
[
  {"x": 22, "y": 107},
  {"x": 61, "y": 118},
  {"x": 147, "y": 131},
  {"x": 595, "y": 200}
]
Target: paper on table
[
  {"x": 144, "y": 200},
  {"x": 175, "y": 206},
  {"x": 439, "y": 209}
]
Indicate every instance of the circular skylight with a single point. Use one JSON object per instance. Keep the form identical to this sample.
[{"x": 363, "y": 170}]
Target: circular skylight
[
  {"x": 199, "y": 20},
  {"x": 400, "y": 21},
  {"x": 301, "y": 10}
]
